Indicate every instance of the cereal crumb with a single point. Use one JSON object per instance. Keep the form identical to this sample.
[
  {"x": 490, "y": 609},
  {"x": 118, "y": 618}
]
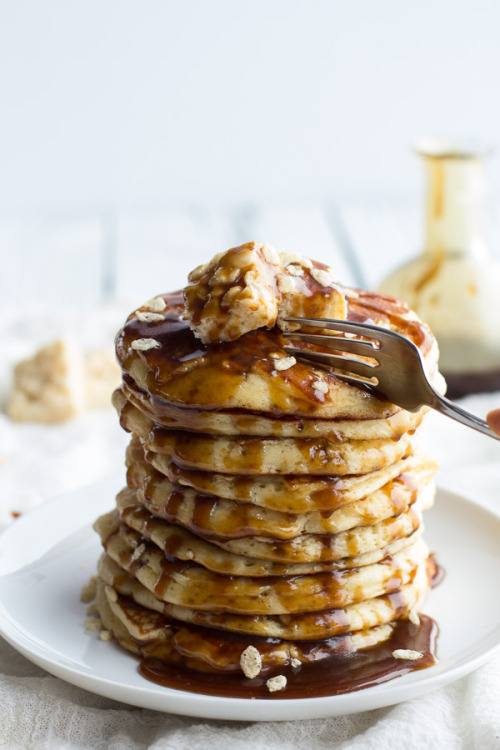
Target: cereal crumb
[
  {"x": 351, "y": 293},
  {"x": 89, "y": 591},
  {"x": 148, "y": 317},
  {"x": 251, "y": 662},
  {"x": 138, "y": 552},
  {"x": 156, "y": 305},
  {"x": 111, "y": 594},
  {"x": 320, "y": 385},
  {"x": 288, "y": 258},
  {"x": 142, "y": 345},
  {"x": 105, "y": 635},
  {"x": 325, "y": 278},
  {"x": 92, "y": 623},
  {"x": 295, "y": 270},
  {"x": 233, "y": 294},
  {"x": 284, "y": 363},
  {"x": 276, "y": 683},
  {"x": 413, "y": 617},
  {"x": 406, "y": 653},
  {"x": 270, "y": 254},
  {"x": 252, "y": 286},
  {"x": 286, "y": 284}
]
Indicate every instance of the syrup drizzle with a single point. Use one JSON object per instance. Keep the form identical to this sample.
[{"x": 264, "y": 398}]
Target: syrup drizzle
[
  {"x": 345, "y": 673},
  {"x": 190, "y": 373}
]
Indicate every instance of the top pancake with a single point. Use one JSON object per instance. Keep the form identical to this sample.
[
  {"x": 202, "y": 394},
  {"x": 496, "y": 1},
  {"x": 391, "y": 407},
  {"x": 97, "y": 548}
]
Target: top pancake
[{"x": 181, "y": 370}]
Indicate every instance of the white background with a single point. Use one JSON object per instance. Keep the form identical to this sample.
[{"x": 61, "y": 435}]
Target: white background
[{"x": 133, "y": 103}]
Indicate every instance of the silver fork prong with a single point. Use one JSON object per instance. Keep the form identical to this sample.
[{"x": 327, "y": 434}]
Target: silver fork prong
[
  {"x": 339, "y": 343},
  {"x": 355, "y": 380},
  {"x": 347, "y": 364},
  {"x": 359, "y": 329},
  {"x": 367, "y": 330},
  {"x": 400, "y": 372}
]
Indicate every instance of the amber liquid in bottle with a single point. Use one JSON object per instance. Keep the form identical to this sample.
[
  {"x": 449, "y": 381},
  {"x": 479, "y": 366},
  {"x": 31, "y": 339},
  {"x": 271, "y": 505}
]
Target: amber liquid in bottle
[{"x": 454, "y": 286}]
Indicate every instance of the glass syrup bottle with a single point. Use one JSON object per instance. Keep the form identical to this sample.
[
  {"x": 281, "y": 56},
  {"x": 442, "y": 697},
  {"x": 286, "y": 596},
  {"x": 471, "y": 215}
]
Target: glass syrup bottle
[{"x": 454, "y": 286}]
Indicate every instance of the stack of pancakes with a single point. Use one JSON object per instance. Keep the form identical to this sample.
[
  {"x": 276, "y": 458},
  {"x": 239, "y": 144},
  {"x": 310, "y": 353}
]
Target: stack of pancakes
[{"x": 279, "y": 508}]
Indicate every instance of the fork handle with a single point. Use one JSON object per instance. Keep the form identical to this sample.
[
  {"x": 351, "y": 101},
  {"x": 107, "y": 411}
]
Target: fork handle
[{"x": 447, "y": 407}]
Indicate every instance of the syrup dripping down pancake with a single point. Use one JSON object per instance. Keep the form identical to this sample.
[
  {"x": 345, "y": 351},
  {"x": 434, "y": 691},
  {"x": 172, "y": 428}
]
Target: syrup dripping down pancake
[
  {"x": 209, "y": 514},
  {"x": 252, "y": 455},
  {"x": 229, "y": 422},
  {"x": 190, "y": 584},
  {"x": 304, "y": 626},
  {"x": 148, "y": 633},
  {"x": 290, "y": 493}
]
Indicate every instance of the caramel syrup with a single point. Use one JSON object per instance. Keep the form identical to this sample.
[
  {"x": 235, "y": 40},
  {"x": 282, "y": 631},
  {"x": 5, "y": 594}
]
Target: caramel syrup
[
  {"x": 341, "y": 671},
  {"x": 208, "y": 377},
  {"x": 345, "y": 673}
]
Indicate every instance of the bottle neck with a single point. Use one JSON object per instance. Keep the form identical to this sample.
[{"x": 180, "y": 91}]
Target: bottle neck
[{"x": 454, "y": 207}]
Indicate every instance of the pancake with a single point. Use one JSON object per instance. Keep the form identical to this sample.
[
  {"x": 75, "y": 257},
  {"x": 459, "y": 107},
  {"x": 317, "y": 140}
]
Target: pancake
[
  {"x": 290, "y": 493},
  {"x": 328, "y": 547},
  {"x": 253, "y": 455},
  {"x": 208, "y": 514},
  {"x": 149, "y": 634},
  {"x": 177, "y": 542},
  {"x": 308, "y": 626},
  {"x": 305, "y": 547},
  {"x": 189, "y": 584},
  {"x": 240, "y": 423}
]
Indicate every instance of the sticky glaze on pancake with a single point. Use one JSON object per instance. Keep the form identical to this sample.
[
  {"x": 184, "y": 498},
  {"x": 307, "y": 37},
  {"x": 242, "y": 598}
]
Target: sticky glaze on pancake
[{"x": 242, "y": 374}]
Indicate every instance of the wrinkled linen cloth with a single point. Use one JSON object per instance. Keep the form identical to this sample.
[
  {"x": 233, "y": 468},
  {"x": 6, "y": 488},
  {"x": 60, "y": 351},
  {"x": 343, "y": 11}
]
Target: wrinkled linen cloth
[{"x": 41, "y": 711}]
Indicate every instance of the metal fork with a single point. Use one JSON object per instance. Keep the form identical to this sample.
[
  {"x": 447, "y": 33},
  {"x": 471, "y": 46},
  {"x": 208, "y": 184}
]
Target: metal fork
[{"x": 396, "y": 372}]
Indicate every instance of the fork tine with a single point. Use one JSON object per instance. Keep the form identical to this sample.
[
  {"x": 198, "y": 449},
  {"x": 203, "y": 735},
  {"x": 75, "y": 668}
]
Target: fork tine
[
  {"x": 399, "y": 370},
  {"x": 339, "y": 343},
  {"x": 348, "y": 364},
  {"x": 367, "y": 330},
  {"x": 360, "y": 329},
  {"x": 369, "y": 385}
]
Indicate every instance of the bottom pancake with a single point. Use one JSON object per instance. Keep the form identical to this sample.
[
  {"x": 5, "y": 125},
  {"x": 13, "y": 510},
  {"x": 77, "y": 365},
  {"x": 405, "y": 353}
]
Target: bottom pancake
[{"x": 150, "y": 634}]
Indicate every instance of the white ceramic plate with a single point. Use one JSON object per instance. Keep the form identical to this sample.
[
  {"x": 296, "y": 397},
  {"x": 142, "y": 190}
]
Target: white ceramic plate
[{"x": 48, "y": 555}]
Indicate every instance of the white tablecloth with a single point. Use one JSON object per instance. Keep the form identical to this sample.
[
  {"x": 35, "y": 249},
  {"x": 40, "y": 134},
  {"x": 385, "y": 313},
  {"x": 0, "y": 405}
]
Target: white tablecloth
[{"x": 40, "y": 711}]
